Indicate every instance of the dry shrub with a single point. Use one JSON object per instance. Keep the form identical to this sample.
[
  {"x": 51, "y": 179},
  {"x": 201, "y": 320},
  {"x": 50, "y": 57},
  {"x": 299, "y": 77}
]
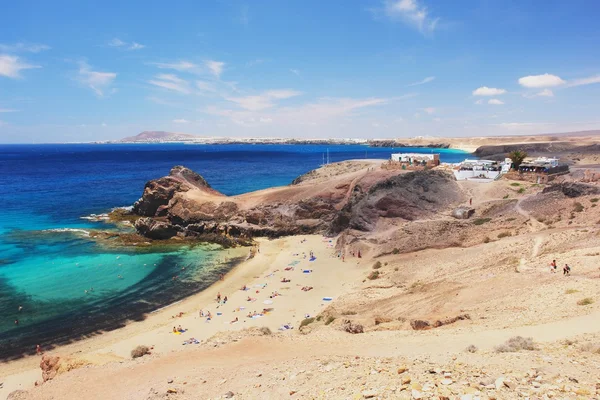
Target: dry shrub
[
  {"x": 471, "y": 349},
  {"x": 382, "y": 320},
  {"x": 373, "y": 275},
  {"x": 351, "y": 327},
  {"x": 516, "y": 343},
  {"x": 585, "y": 302},
  {"x": 578, "y": 207},
  {"x": 486, "y": 239},
  {"x": 377, "y": 265},
  {"x": 504, "y": 234},
  {"x": 481, "y": 221},
  {"x": 265, "y": 330},
  {"x": 571, "y": 291},
  {"x": 329, "y": 320},
  {"x": 349, "y": 312},
  {"x": 306, "y": 321},
  {"x": 140, "y": 351}
]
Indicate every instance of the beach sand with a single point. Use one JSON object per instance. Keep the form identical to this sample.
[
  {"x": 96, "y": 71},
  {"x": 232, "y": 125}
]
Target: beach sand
[{"x": 329, "y": 277}]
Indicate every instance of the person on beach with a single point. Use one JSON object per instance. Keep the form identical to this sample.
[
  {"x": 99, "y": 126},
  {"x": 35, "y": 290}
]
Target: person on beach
[
  {"x": 174, "y": 330},
  {"x": 225, "y": 300},
  {"x": 553, "y": 266},
  {"x": 222, "y": 277},
  {"x": 38, "y": 349},
  {"x": 219, "y": 297},
  {"x": 234, "y": 321},
  {"x": 566, "y": 269}
]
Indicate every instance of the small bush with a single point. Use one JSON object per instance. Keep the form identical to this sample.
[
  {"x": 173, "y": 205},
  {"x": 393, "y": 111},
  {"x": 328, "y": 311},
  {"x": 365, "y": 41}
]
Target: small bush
[
  {"x": 396, "y": 269},
  {"x": 349, "y": 312},
  {"x": 504, "y": 234},
  {"x": 585, "y": 302},
  {"x": 516, "y": 343},
  {"x": 306, "y": 321},
  {"x": 140, "y": 351},
  {"x": 505, "y": 196},
  {"x": 594, "y": 200},
  {"x": 541, "y": 219},
  {"x": 385, "y": 264},
  {"x": 594, "y": 205},
  {"x": 510, "y": 219},
  {"x": 571, "y": 291},
  {"x": 471, "y": 349},
  {"x": 319, "y": 317},
  {"x": 481, "y": 221},
  {"x": 486, "y": 239},
  {"x": 377, "y": 265},
  {"x": 373, "y": 275},
  {"x": 521, "y": 190},
  {"x": 329, "y": 320},
  {"x": 515, "y": 184},
  {"x": 578, "y": 207},
  {"x": 396, "y": 251},
  {"x": 266, "y": 331}
]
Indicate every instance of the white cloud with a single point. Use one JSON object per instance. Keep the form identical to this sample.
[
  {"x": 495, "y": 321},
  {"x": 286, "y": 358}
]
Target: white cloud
[
  {"x": 424, "y": 81},
  {"x": 541, "y": 81},
  {"x": 171, "y": 82},
  {"x": 265, "y": 120},
  {"x": 8, "y": 110},
  {"x": 215, "y": 67},
  {"x": 136, "y": 46},
  {"x": 429, "y": 110},
  {"x": 495, "y": 102},
  {"x": 204, "y": 86},
  {"x": 177, "y": 66},
  {"x": 546, "y": 93},
  {"x": 487, "y": 91},
  {"x": 264, "y": 100},
  {"x": 95, "y": 80},
  {"x": 181, "y": 121},
  {"x": 584, "y": 81},
  {"x": 11, "y": 66},
  {"x": 24, "y": 47},
  {"x": 295, "y": 71},
  {"x": 411, "y": 12},
  {"x": 116, "y": 42}
]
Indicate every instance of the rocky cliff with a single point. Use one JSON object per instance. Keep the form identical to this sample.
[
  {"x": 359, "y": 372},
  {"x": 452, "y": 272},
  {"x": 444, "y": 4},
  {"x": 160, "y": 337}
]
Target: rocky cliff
[{"x": 183, "y": 204}]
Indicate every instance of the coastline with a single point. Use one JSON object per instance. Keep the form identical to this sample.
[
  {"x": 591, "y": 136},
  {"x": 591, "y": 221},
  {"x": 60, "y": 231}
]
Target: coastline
[{"x": 331, "y": 278}]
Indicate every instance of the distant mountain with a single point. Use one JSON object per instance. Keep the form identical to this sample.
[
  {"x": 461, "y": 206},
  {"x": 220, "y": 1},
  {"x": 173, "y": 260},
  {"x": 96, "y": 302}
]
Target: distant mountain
[{"x": 159, "y": 136}]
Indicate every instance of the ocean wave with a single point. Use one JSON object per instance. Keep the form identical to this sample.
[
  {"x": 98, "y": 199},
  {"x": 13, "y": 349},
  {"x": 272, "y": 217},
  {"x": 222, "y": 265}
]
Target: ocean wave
[
  {"x": 126, "y": 208},
  {"x": 71, "y": 230}
]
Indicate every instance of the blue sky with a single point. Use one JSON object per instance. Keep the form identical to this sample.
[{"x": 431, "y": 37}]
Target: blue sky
[{"x": 82, "y": 71}]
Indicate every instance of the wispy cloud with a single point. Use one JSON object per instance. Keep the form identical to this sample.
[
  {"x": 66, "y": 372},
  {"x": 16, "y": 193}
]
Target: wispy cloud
[
  {"x": 253, "y": 63},
  {"x": 422, "y": 82},
  {"x": 8, "y": 110},
  {"x": 24, "y": 47},
  {"x": 488, "y": 91},
  {"x": 495, "y": 102},
  {"x": 264, "y": 100},
  {"x": 295, "y": 71},
  {"x": 116, "y": 42},
  {"x": 411, "y": 12},
  {"x": 215, "y": 67},
  {"x": 11, "y": 66},
  {"x": 545, "y": 93},
  {"x": 584, "y": 81},
  {"x": 171, "y": 82},
  {"x": 178, "y": 66},
  {"x": 98, "y": 81},
  {"x": 181, "y": 121},
  {"x": 429, "y": 110}
]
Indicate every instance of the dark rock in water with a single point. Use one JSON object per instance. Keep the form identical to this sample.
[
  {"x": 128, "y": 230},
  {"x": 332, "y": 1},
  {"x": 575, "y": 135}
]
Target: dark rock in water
[
  {"x": 573, "y": 189},
  {"x": 155, "y": 229},
  {"x": 463, "y": 212},
  {"x": 158, "y": 192}
]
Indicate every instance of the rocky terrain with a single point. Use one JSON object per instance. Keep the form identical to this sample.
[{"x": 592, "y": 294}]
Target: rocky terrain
[{"x": 337, "y": 197}]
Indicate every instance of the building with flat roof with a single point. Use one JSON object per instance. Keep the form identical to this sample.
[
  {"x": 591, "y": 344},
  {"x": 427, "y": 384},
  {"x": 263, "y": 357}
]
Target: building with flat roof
[{"x": 417, "y": 159}]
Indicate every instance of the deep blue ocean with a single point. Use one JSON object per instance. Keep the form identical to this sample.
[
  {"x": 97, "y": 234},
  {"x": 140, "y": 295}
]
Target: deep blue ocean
[{"x": 49, "y": 267}]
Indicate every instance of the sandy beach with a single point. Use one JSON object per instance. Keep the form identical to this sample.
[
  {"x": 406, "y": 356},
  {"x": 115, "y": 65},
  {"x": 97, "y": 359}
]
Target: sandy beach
[{"x": 327, "y": 274}]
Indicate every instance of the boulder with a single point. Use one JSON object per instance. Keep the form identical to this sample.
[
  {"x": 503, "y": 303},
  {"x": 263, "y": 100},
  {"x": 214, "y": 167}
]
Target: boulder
[
  {"x": 154, "y": 229},
  {"x": 420, "y": 325},
  {"x": 463, "y": 212},
  {"x": 573, "y": 189}
]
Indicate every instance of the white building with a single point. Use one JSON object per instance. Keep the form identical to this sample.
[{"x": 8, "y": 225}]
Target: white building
[
  {"x": 417, "y": 158},
  {"x": 484, "y": 170}
]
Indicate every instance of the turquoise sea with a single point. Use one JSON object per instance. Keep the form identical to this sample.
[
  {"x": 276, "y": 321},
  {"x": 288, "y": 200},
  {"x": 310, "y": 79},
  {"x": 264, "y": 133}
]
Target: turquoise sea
[{"x": 68, "y": 286}]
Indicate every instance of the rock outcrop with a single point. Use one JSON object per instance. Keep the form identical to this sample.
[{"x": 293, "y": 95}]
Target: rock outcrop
[
  {"x": 183, "y": 204},
  {"x": 463, "y": 212},
  {"x": 573, "y": 189}
]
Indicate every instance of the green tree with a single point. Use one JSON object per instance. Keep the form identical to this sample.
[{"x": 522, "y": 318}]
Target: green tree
[{"x": 517, "y": 157}]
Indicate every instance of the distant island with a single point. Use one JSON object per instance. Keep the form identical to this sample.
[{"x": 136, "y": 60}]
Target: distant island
[{"x": 557, "y": 141}]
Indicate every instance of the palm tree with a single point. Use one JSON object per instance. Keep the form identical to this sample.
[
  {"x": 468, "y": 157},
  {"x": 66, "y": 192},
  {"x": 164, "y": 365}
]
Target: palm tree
[{"x": 517, "y": 157}]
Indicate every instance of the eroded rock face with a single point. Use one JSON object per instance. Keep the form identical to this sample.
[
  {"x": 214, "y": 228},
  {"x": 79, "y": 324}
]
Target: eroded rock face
[
  {"x": 169, "y": 210},
  {"x": 408, "y": 196},
  {"x": 573, "y": 189},
  {"x": 158, "y": 192},
  {"x": 463, "y": 212}
]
